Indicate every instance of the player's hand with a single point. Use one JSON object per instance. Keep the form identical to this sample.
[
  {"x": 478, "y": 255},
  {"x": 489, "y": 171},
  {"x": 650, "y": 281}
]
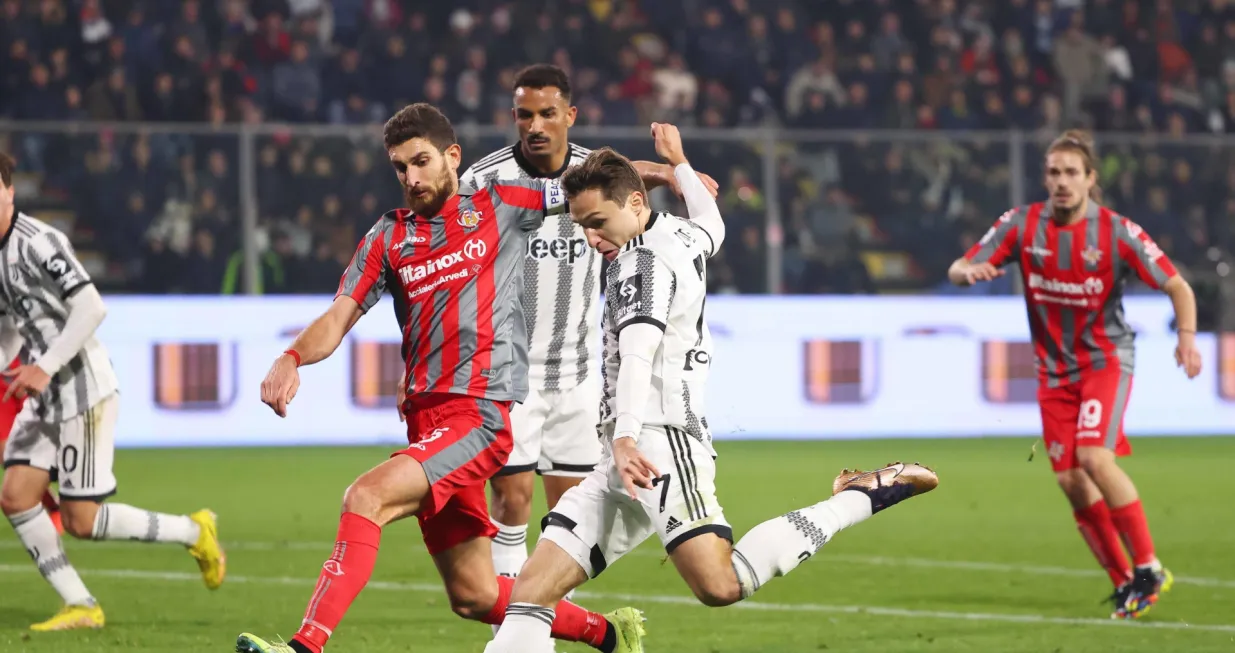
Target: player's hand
[
  {"x": 708, "y": 183},
  {"x": 668, "y": 142},
  {"x": 25, "y": 381},
  {"x": 401, "y": 395},
  {"x": 281, "y": 384},
  {"x": 982, "y": 272},
  {"x": 1187, "y": 356},
  {"x": 635, "y": 468}
]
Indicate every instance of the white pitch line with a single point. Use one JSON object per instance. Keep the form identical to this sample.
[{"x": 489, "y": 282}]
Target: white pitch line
[
  {"x": 882, "y": 561},
  {"x": 683, "y": 600}
]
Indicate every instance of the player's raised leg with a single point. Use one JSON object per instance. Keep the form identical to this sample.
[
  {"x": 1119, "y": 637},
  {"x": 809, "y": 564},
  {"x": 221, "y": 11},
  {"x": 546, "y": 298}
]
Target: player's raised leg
[{"x": 19, "y": 499}]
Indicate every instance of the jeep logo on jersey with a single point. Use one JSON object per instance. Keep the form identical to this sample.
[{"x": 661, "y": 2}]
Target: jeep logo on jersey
[
  {"x": 696, "y": 357},
  {"x": 475, "y": 249},
  {"x": 569, "y": 249}
]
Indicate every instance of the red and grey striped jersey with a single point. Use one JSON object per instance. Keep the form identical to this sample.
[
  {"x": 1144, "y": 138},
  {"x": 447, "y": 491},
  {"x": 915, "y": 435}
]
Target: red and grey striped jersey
[
  {"x": 1074, "y": 283},
  {"x": 456, "y": 278}
]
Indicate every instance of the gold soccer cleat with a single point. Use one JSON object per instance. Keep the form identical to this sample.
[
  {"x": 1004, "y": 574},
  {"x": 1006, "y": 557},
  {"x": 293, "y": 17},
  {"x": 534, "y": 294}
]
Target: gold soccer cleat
[
  {"x": 888, "y": 486},
  {"x": 73, "y": 617}
]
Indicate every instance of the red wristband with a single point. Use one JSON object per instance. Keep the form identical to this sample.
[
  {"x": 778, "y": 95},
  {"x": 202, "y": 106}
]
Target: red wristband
[{"x": 294, "y": 355}]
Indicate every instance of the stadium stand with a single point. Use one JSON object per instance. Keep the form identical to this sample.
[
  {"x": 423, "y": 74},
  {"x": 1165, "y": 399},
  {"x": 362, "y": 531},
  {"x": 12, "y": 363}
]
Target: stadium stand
[{"x": 158, "y": 211}]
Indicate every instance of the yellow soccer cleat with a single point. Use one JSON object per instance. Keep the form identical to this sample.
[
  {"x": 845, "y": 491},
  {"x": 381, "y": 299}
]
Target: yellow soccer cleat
[
  {"x": 208, "y": 551},
  {"x": 73, "y": 617},
  {"x": 250, "y": 643},
  {"x": 628, "y": 623}
]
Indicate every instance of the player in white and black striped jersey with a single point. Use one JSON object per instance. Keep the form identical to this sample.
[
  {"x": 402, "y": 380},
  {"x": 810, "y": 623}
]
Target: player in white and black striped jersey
[
  {"x": 656, "y": 366},
  {"x": 50, "y": 309},
  {"x": 555, "y": 427}
]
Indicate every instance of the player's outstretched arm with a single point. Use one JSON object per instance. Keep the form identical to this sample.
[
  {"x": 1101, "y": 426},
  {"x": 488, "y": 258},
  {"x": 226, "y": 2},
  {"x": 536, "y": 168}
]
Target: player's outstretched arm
[
  {"x": 964, "y": 272},
  {"x": 655, "y": 175},
  {"x": 316, "y": 343},
  {"x": 700, "y": 201},
  {"x": 1183, "y": 300}
]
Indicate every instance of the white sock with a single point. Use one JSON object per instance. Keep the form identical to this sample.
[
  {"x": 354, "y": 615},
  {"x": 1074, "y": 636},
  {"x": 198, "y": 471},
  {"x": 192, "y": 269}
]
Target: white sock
[
  {"x": 38, "y": 534},
  {"x": 526, "y": 628},
  {"x": 117, "y": 521},
  {"x": 777, "y": 546},
  {"x": 509, "y": 551}
]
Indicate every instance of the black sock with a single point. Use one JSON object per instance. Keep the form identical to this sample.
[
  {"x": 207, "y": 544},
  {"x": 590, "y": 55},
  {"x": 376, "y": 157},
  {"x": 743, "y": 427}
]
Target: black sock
[
  {"x": 298, "y": 647},
  {"x": 610, "y": 641}
]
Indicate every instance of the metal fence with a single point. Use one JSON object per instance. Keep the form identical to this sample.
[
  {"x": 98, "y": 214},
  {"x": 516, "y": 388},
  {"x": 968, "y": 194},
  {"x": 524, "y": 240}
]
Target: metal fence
[{"x": 203, "y": 208}]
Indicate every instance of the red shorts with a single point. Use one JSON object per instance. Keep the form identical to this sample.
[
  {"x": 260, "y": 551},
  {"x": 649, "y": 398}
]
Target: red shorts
[
  {"x": 1088, "y": 413},
  {"x": 460, "y": 442}
]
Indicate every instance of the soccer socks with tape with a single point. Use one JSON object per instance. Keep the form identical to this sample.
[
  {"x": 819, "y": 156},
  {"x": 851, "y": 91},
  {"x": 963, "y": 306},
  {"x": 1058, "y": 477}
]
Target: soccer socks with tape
[
  {"x": 526, "y": 629},
  {"x": 571, "y": 622},
  {"x": 509, "y": 549},
  {"x": 341, "y": 579},
  {"x": 777, "y": 546},
  {"x": 117, "y": 521},
  {"x": 38, "y": 534},
  {"x": 1100, "y": 534},
  {"x": 1130, "y": 521}
]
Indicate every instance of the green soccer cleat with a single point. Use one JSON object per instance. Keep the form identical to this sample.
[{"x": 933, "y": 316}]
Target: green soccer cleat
[
  {"x": 628, "y": 624},
  {"x": 250, "y": 643}
]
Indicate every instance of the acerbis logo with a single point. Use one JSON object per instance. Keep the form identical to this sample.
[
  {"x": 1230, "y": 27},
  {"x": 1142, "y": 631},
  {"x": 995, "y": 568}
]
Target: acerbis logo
[{"x": 570, "y": 249}]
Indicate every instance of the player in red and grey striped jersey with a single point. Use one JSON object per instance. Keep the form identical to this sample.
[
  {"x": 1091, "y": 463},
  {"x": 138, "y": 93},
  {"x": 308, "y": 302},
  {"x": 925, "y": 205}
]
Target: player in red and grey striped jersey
[
  {"x": 1076, "y": 257},
  {"x": 453, "y": 263}
]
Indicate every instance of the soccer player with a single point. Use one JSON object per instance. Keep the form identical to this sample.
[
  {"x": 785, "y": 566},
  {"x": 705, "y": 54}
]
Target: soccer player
[
  {"x": 555, "y": 427},
  {"x": 49, "y": 310},
  {"x": 658, "y": 473},
  {"x": 1076, "y": 257},
  {"x": 453, "y": 263},
  {"x": 9, "y": 410}
]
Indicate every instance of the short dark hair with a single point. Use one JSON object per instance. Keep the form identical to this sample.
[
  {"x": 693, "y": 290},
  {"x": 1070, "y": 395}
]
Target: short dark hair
[
  {"x": 420, "y": 120},
  {"x": 543, "y": 75},
  {"x": 607, "y": 171},
  {"x": 7, "y": 166}
]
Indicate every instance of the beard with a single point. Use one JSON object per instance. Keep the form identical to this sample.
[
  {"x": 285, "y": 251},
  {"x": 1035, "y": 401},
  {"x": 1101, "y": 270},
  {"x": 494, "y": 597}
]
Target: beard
[
  {"x": 1067, "y": 210},
  {"x": 430, "y": 202}
]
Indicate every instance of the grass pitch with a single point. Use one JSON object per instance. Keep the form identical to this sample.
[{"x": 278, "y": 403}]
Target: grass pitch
[{"x": 991, "y": 561}]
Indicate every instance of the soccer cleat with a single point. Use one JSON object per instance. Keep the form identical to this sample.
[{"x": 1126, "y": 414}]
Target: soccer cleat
[
  {"x": 250, "y": 643},
  {"x": 628, "y": 624},
  {"x": 73, "y": 617},
  {"x": 888, "y": 486},
  {"x": 1142, "y": 593},
  {"x": 208, "y": 551}
]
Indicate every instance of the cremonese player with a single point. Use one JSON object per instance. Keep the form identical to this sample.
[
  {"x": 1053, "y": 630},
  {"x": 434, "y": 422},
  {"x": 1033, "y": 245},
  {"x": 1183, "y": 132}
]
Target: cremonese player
[
  {"x": 1076, "y": 256},
  {"x": 658, "y": 473},
  {"x": 453, "y": 264}
]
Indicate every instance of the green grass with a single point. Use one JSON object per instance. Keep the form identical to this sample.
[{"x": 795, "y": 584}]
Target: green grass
[{"x": 907, "y": 580}]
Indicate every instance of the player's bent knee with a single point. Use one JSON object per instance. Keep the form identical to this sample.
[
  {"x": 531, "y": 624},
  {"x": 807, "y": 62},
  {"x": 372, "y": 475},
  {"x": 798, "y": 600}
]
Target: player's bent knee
[
  {"x": 365, "y": 499},
  {"x": 472, "y": 604},
  {"x": 16, "y": 495},
  {"x": 512, "y": 498},
  {"x": 1095, "y": 460},
  {"x": 12, "y": 502},
  {"x": 717, "y": 592}
]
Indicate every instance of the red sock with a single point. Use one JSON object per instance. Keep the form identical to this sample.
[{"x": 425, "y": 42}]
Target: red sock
[
  {"x": 52, "y": 506},
  {"x": 342, "y": 578},
  {"x": 1099, "y": 532},
  {"x": 1132, "y": 526},
  {"x": 572, "y": 623}
]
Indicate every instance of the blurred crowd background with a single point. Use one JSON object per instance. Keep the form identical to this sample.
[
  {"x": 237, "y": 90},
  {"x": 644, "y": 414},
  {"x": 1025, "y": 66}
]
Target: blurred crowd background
[{"x": 927, "y": 120}]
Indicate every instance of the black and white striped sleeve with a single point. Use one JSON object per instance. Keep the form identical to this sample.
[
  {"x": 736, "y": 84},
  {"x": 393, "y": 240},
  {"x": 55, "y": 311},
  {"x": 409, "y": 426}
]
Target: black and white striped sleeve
[
  {"x": 468, "y": 184},
  {"x": 57, "y": 264},
  {"x": 640, "y": 290}
]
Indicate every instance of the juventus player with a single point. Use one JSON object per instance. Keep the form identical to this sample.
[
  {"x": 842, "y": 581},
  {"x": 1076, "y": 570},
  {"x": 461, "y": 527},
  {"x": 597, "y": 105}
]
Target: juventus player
[
  {"x": 48, "y": 304},
  {"x": 555, "y": 427},
  {"x": 658, "y": 472}
]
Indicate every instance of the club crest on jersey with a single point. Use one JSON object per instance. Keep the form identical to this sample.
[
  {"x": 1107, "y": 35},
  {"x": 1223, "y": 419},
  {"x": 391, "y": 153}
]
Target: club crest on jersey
[
  {"x": 1092, "y": 255},
  {"x": 469, "y": 219}
]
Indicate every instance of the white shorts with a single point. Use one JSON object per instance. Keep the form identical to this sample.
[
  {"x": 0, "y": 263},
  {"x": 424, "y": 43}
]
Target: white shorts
[
  {"x": 78, "y": 451},
  {"x": 555, "y": 432},
  {"x": 596, "y": 522}
]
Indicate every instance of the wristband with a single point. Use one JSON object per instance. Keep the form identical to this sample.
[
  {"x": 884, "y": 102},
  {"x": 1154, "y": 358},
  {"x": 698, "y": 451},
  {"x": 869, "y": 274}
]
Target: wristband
[
  {"x": 294, "y": 355},
  {"x": 1192, "y": 331}
]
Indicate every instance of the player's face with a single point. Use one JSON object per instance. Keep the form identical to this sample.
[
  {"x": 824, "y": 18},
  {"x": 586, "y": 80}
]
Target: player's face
[
  {"x": 608, "y": 226},
  {"x": 543, "y": 116},
  {"x": 1067, "y": 180},
  {"x": 429, "y": 176}
]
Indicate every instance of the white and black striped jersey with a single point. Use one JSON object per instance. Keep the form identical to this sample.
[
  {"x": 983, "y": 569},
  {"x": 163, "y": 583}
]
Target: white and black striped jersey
[
  {"x": 561, "y": 302},
  {"x": 660, "y": 278},
  {"x": 40, "y": 274}
]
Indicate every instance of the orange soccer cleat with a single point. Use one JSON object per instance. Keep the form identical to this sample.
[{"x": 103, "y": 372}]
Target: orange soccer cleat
[{"x": 890, "y": 485}]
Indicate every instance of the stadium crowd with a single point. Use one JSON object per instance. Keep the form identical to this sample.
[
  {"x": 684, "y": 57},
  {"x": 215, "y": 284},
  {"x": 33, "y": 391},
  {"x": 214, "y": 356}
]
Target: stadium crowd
[{"x": 160, "y": 213}]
